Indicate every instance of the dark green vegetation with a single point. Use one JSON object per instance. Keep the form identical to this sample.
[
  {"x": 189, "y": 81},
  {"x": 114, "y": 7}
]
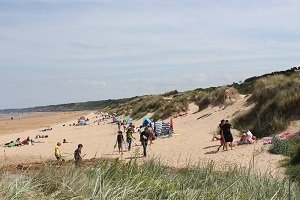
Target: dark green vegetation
[
  {"x": 289, "y": 147},
  {"x": 117, "y": 180}
]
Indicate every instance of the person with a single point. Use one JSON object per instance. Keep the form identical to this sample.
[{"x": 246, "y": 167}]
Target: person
[
  {"x": 18, "y": 143},
  {"x": 77, "y": 155},
  {"x": 65, "y": 141},
  {"x": 57, "y": 152},
  {"x": 129, "y": 137},
  {"x": 119, "y": 125},
  {"x": 221, "y": 135},
  {"x": 25, "y": 142},
  {"x": 144, "y": 137},
  {"x": 228, "y": 138},
  {"x": 151, "y": 134},
  {"x": 120, "y": 141},
  {"x": 10, "y": 144}
]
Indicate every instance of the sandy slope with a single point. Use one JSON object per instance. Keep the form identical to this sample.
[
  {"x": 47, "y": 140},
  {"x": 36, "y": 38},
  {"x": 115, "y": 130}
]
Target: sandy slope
[{"x": 191, "y": 142}]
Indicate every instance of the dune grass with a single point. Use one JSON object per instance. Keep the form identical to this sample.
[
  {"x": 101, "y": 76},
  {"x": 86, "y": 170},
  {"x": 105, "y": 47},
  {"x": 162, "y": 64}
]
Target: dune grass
[
  {"x": 151, "y": 180},
  {"x": 276, "y": 102}
]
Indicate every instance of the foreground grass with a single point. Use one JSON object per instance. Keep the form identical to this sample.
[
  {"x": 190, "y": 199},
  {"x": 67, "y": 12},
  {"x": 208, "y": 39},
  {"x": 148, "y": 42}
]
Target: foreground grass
[{"x": 117, "y": 180}]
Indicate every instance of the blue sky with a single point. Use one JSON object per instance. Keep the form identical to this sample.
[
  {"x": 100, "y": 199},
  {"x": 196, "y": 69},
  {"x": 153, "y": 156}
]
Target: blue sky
[{"x": 60, "y": 51}]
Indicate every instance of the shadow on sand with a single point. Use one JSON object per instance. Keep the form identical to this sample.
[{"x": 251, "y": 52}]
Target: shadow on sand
[{"x": 211, "y": 152}]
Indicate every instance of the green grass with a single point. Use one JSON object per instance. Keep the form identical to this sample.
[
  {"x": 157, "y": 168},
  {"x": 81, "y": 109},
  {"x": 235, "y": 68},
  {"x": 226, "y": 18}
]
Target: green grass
[
  {"x": 276, "y": 100},
  {"x": 118, "y": 180},
  {"x": 289, "y": 147}
]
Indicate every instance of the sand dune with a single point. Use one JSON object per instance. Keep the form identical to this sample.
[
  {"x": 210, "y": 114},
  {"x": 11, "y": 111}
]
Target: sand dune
[{"x": 191, "y": 142}]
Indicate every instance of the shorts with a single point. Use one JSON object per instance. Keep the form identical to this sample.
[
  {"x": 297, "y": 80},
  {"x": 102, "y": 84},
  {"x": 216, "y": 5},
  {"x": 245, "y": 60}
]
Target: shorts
[
  {"x": 120, "y": 146},
  {"x": 58, "y": 158}
]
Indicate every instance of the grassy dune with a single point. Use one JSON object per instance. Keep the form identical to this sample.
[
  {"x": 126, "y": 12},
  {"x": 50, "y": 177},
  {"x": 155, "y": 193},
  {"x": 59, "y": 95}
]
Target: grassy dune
[
  {"x": 118, "y": 180},
  {"x": 276, "y": 100}
]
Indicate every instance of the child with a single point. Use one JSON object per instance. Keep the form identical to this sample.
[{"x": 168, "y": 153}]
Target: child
[
  {"x": 57, "y": 152},
  {"x": 129, "y": 137},
  {"x": 120, "y": 141},
  {"x": 221, "y": 135},
  {"x": 77, "y": 155}
]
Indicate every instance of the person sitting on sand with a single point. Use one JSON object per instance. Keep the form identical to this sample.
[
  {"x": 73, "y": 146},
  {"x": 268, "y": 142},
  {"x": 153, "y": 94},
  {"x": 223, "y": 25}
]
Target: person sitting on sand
[
  {"x": 65, "y": 141},
  {"x": 57, "y": 152},
  {"x": 10, "y": 144},
  {"x": 120, "y": 141},
  {"x": 26, "y": 142},
  {"x": 18, "y": 143}
]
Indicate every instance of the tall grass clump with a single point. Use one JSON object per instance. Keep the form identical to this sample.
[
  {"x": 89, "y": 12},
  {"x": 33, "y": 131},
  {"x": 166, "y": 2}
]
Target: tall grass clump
[
  {"x": 19, "y": 186},
  {"x": 276, "y": 102},
  {"x": 202, "y": 99},
  {"x": 179, "y": 103},
  {"x": 289, "y": 147},
  {"x": 151, "y": 180}
]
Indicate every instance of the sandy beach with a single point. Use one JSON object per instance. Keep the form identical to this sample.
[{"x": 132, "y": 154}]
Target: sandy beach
[{"x": 191, "y": 143}]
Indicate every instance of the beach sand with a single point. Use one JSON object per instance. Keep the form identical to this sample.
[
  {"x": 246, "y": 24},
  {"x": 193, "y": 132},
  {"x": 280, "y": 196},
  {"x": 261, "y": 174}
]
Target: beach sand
[
  {"x": 191, "y": 143},
  {"x": 28, "y": 121}
]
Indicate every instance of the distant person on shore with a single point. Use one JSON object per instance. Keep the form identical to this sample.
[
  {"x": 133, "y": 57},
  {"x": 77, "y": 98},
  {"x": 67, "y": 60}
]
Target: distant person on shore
[
  {"x": 228, "y": 138},
  {"x": 57, "y": 152},
  {"x": 120, "y": 141},
  {"x": 144, "y": 137},
  {"x": 77, "y": 155}
]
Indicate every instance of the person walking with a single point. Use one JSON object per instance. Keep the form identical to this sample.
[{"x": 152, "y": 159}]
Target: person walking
[
  {"x": 120, "y": 141},
  {"x": 77, "y": 155},
  {"x": 129, "y": 137},
  {"x": 144, "y": 137},
  {"x": 57, "y": 152}
]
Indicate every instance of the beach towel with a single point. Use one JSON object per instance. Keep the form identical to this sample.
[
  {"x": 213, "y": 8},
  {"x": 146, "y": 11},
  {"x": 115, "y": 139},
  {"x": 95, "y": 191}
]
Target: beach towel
[
  {"x": 158, "y": 127},
  {"x": 165, "y": 128},
  {"x": 285, "y": 135},
  {"x": 267, "y": 140}
]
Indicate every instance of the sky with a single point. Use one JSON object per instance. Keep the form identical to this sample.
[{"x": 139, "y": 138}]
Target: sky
[{"x": 63, "y": 51}]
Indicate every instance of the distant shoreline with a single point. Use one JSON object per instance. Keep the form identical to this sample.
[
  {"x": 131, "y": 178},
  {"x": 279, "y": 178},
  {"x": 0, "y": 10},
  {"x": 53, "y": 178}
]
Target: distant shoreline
[{"x": 25, "y": 115}]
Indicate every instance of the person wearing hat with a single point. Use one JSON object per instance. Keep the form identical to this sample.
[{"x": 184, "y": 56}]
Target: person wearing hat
[{"x": 77, "y": 155}]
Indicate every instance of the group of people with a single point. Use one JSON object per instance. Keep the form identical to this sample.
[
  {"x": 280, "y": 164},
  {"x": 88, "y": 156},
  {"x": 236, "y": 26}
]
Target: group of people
[
  {"x": 18, "y": 142},
  {"x": 226, "y": 137},
  {"x": 77, "y": 154},
  {"x": 147, "y": 135}
]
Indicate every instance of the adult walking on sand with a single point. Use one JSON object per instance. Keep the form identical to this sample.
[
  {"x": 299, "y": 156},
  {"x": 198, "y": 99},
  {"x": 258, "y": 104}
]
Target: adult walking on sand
[
  {"x": 228, "y": 138},
  {"x": 144, "y": 140}
]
